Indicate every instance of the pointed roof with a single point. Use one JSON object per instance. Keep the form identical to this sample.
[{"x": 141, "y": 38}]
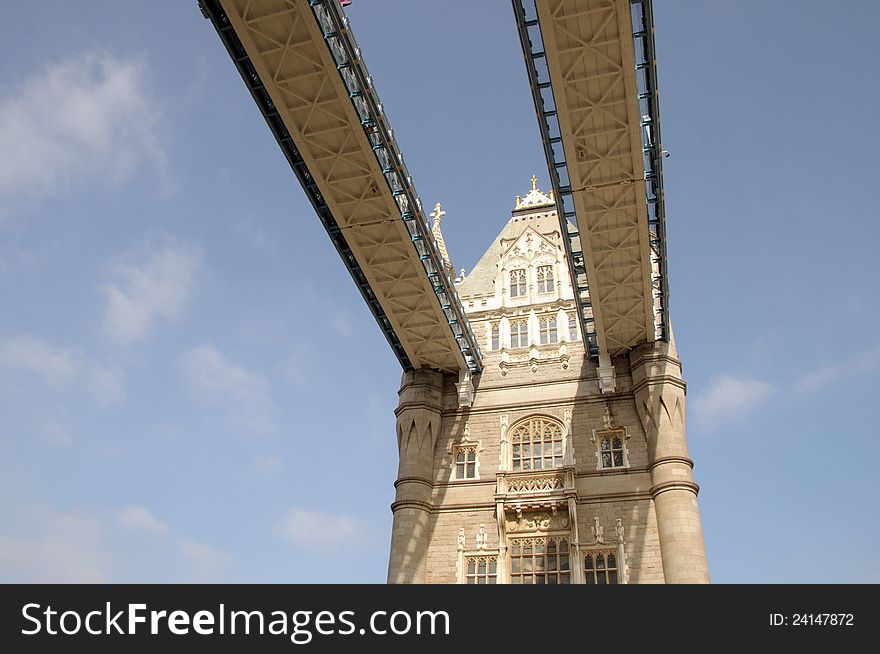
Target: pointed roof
[{"x": 534, "y": 198}]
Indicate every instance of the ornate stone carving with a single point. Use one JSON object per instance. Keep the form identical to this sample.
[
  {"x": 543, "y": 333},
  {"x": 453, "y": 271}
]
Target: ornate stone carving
[
  {"x": 521, "y": 522},
  {"x": 598, "y": 531},
  {"x": 482, "y": 538},
  {"x": 461, "y": 541},
  {"x": 535, "y": 483}
]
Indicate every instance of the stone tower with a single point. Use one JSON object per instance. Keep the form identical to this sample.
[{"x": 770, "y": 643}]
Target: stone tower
[{"x": 543, "y": 478}]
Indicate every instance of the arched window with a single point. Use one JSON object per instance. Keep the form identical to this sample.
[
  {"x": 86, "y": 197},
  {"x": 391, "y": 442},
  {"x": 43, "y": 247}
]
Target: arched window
[
  {"x": 545, "y": 279},
  {"x": 536, "y": 444},
  {"x": 496, "y": 335},
  {"x": 518, "y": 283}
]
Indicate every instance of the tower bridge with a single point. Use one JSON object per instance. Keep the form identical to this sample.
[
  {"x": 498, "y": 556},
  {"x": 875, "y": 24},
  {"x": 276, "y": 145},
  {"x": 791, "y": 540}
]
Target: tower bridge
[{"x": 542, "y": 407}]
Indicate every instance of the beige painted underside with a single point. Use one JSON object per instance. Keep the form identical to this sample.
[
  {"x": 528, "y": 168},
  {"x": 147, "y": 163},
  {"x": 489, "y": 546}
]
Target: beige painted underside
[
  {"x": 590, "y": 54},
  {"x": 286, "y": 47}
]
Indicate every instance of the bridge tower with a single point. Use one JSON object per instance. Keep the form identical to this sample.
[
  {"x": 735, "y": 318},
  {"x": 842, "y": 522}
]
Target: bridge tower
[{"x": 532, "y": 471}]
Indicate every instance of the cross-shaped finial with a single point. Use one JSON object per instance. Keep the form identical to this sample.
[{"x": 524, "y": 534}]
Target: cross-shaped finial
[
  {"x": 437, "y": 214},
  {"x": 534, "y": 183}
]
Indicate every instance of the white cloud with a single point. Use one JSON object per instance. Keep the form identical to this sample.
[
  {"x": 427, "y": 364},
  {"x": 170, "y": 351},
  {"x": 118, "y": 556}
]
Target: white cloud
[
  {"x": 205, "y": 563},
  {"x": 61, "y": 366},
  {"x": 54, "y": 364},
  {"x": 316, "y": 529},
  {"x": 137, "y": 518},
  {"x": 89, "y": 115},
  {"x": 729, "y": 398},
  {"x": 155, "y": 282},
  {"x": 829, "y": 374},
  {"x": 59, "y": 548},
  {"x": 211, "y": 375}
]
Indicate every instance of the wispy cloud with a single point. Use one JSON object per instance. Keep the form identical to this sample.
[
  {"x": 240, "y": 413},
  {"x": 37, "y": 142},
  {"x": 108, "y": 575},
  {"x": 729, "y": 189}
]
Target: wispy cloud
[
  {"x": 89, "y": 115},
  {"x": 137, "y": 518},
  {"x": 205, "y": 563},
  {"x": 212, "y": 376},
  {"x": 317, "y": 529},
  {"x": 57, "y": 548},
  {"x": 155, "y": 282},
  {"x": 60, "y": 366},
  {"x": 828, "y": 374},
  {"x": 729, "y": 398}
]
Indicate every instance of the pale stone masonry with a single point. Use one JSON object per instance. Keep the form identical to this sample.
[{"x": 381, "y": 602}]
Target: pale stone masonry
[{"x": 544, "y": 478}]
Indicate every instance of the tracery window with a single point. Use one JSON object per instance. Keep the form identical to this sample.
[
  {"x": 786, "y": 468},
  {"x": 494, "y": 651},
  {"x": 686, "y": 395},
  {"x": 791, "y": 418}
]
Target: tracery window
[
  {"x": 611, "y": 451},
  {"x": 545, "y": 279},
  {"x": 518, "y": 283},
  {"x": 547, "y": 329},
  {"x": 600, "y": 567},
  {"x": 572, "y": 328},
  {"x": 481, "y": 569},
  {"x": 539, "y": 561},
  {"x": 519, "y": 333},
  {"x": 496, "y": 336},
  {"x": 466, "y": 462},
  {"x": 536, "y": 445}
]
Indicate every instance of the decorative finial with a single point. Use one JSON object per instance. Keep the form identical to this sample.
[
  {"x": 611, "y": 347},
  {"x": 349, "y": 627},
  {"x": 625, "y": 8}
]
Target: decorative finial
[
  {"x": 608, "y": 418},
  {"x": 598, "y": 531},
  {"x": 461, "y": 539},
  {"x": 482, "y": 538},
  {"x": 518, "y": 200},
  {"x": 437, "y": 214},
  {"x": 534, "y": 183},
  {"x": 619, "y": 529}
]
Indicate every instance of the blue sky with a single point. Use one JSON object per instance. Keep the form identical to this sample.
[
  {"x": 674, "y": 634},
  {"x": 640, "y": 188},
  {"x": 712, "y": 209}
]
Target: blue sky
[{"x": 191, "y": 388}]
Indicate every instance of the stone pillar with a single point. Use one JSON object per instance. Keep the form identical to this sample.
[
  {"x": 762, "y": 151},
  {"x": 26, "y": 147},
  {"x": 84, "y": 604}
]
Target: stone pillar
[
  {"x": 659, "y": 391},
  {"x": 418, "y": 425}
]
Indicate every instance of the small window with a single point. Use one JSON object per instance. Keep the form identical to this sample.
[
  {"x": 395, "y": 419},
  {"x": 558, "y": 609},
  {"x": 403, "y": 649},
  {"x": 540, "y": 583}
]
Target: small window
[
  {"x": 517, "y": 283},
  {"x": 519, "y": 333},
  {"x": 481, "y": 569},
  {"x": 496, "y": 336},
  {"x": 600, "y": 568},
  {"x": 572, "y": 328},
  {"x": 611, "y": 450},
  {"x": 545, "y": 279},
  {"x": 547, "y": 329},
  {"x": 466, "y": 462}
]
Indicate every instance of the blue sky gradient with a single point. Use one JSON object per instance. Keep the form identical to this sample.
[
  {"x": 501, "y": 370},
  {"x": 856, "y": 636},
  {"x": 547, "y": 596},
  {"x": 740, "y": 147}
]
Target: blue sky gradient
[{"x": 192, "y": 389}]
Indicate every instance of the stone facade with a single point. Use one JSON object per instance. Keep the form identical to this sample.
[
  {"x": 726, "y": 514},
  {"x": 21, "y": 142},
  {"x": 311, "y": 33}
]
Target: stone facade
[{"x": 544, "y": 478}]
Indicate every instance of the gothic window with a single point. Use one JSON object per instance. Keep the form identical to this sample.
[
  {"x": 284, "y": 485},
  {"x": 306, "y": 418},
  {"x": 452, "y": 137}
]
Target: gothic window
[
  {"x": 539, "y": 561},
  {"x": 517, "y": 283},
  {"x": 547, "y": 329},
  {"x": 545, "y": 279},
  {"x": 481, "y": 569},
  {"x": 572, "y": 328},
  {"x": 536, "y": 445},
  {"x": 600, "y": 567},
  {"x": 496, "y": 336},
  {"x": 466, "y": 462},
  {"x": 519, "y": 333},
  {"x": 611, "y": 451}
]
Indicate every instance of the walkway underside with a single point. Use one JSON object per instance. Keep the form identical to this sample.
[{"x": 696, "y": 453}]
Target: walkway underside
[
  {"x": 324, "y": 112},
  {"x": 592, "y": 69}
]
